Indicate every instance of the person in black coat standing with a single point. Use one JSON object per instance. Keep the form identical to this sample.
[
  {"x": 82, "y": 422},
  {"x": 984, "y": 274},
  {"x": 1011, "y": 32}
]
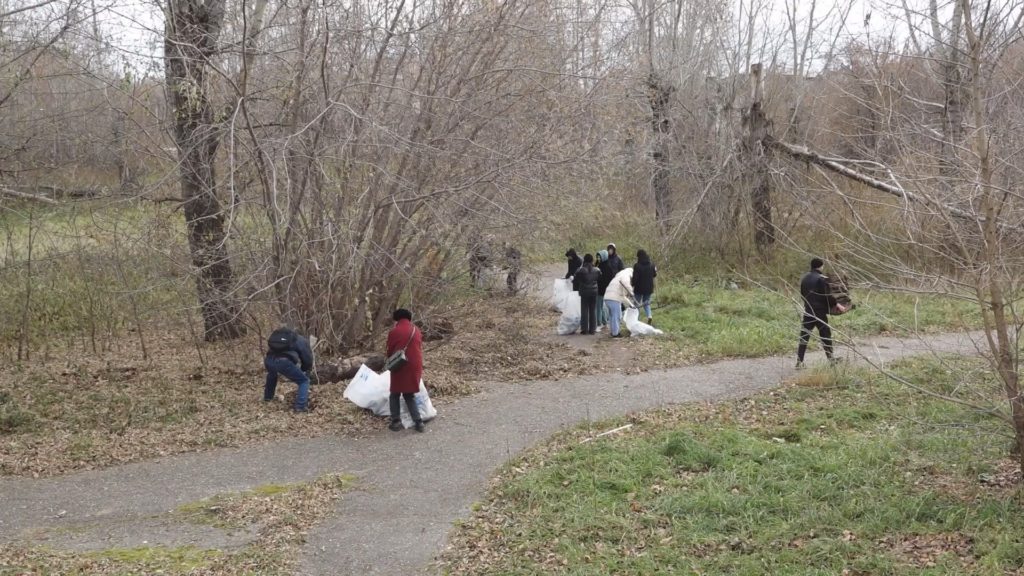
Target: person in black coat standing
[
  {"x": 644, "y": 273},
  {"x": 574, "y": 264},
  {"x": 818, "y": 300},
  {"x": 614, "y": 262},
  {"x": 587, "y": 278}
]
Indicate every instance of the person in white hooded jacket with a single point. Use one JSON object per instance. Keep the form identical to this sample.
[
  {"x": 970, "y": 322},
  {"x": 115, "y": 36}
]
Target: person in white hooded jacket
[{"x": 619, "y": 293}]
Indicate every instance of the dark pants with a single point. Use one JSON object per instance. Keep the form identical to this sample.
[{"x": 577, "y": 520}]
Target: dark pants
[
  {"x": 290, "y": 370},
  {"x": 588, "y": 313},
  {"x": 810, "y": 322},
  {"x": 410, "y": 402}
]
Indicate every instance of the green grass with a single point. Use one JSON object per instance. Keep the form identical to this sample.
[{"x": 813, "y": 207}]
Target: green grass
[
  {"x": 147, "y": 558},
  {"x": 846, "y": 472},
  {"x": 716, "y": 322}
]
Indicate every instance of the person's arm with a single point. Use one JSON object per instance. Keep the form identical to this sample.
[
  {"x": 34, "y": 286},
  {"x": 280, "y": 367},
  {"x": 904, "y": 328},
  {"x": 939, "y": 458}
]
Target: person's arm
[
  {"x": 826, "y": 292},
  {"x": 305, "y": 353}
]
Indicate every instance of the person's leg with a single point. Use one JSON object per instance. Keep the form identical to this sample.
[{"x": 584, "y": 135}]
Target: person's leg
[
  {"x": 806, "y": 325},
  {"x": 601, "y": 319},
  {"x": 593, "y": 314},
  {"x": 414, "y": 409},
  {"x": 394, "y": 401},
  {"x": 292, "y": 372},
  {"x": 825, "y": 333},
  {"x": 271, "y": 384},
  {"x": 614, "y": 313},
  {"x": 587, "y": 314},
  {"x": 645, "y": 302}
]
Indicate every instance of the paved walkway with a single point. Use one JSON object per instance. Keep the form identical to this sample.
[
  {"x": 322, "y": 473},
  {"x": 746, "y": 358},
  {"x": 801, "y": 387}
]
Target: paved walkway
[{"x": 411, "y": 487}]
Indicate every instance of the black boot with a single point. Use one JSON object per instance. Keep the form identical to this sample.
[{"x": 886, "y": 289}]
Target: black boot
[
  {"x": 414, "y": 411},
  {"x": 396, "y": 407}
]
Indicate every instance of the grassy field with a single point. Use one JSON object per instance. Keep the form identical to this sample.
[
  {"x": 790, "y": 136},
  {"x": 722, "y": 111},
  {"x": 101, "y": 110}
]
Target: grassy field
[
  {"x": 715, "y": 322},
  {"x": 838, "y": 473}
]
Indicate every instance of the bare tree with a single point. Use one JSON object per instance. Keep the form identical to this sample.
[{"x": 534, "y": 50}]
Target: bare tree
[{"x": 192, "y": 32}]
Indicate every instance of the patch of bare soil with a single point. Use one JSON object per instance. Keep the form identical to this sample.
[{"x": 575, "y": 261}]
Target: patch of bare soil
[{"x": 80, "y": 410}]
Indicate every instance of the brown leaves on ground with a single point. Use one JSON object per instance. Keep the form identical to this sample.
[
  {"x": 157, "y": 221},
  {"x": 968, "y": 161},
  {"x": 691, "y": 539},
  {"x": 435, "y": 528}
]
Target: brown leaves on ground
[
  {"x": 280, "y": 516},
  {"x": 75, "y": 409},
  {"x": 926, "y": 550}
]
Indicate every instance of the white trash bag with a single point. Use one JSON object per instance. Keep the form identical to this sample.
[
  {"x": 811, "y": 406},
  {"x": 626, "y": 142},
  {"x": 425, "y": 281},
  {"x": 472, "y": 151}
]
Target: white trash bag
[
  {"x": 423, "y": 403},
  {"x": 568, "y": 303},
  {"x": 636, "y": 327},
  {"x": 373, "y": 391},
  {"x": 367, "y": 388}
]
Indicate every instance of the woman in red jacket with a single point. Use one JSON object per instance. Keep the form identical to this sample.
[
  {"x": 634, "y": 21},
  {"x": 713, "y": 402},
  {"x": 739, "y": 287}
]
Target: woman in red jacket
[{"x": 405, "y": 382}]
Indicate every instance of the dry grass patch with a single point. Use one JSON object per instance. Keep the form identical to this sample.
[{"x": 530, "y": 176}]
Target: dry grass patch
[{"x": 280, "y": 514}]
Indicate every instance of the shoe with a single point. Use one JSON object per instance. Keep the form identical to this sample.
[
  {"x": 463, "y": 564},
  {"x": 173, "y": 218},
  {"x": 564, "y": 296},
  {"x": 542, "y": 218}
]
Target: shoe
[
  {"x": 799, "y": 365},
  {"x": 590, "y": 333},
  {"x": 650, "y": 321},
  {"x": 619, "y": 335},
  {"x": 835, "y": 360},
  {"x": 421, "y": 427},
  {"x": 395, "y": 426}
]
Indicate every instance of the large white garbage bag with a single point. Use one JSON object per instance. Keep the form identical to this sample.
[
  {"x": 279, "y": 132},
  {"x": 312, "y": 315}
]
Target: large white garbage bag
[
  {"x": 636, "y": 327},
  {"x": 568, "y": 303},
  {"x": 367, "y": 388},
  {"x": 372, "y": 391},
  {"x": 426, "y": 407}
]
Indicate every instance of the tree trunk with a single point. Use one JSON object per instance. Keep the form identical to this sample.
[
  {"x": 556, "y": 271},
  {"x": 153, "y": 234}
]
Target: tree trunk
[
  {"x": 1003, "y": 343},
  {"x": 192, "y": 30},
  {"x": 758, "y": 127},
  {"x": 659, "y": 93}
]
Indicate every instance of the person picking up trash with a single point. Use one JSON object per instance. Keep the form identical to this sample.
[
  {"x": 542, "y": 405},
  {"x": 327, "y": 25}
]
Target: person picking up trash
[
  {"x": 290, "y": 355},
  {"x": 619, "y": 294},
  {"x": 406, "y": 368}
]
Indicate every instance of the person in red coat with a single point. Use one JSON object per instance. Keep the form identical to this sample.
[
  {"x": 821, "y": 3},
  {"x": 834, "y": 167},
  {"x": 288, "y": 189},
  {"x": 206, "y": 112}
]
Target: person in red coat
[{"x": 405, "y": 382}]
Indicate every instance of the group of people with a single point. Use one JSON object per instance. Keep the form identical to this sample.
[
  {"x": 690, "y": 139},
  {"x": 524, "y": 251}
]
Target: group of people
[
  {"x": 289, "y": 354},
  {"x": 606, "y": 287}
]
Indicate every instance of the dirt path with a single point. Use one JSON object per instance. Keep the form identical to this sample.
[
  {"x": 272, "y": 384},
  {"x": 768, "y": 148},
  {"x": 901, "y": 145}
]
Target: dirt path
[{"x": 410, "y": 487}]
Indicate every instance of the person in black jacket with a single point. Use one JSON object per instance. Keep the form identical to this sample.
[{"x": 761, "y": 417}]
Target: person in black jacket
[
  {"x": 587, "y": 278},
  {"x": 614, "y": 262},
  {"x": 574, "y": 264},
  {"x": 818, "y": 300},
  {"x": 290, "y": 355},
  {"x": 644, "y": 273}
]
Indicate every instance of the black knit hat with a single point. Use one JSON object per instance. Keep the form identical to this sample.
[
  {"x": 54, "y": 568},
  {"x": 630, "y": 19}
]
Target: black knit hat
[{"x": 817, "y": 263}]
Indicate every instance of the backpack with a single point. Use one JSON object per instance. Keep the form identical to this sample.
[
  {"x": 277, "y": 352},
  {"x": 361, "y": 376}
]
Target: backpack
[{"x": 281, "y": 340}]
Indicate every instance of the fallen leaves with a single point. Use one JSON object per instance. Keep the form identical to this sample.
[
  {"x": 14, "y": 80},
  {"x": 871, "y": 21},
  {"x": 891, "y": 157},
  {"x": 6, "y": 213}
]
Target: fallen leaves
[{"x": 926, "y": 550}]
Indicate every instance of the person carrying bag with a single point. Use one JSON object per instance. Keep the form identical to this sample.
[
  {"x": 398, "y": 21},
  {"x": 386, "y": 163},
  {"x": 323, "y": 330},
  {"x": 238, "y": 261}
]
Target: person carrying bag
[{"x": 405, "y": 361}]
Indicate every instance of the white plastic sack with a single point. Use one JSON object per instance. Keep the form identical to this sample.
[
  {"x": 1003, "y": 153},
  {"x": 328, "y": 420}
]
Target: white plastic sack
[
  {"x": 636, "y": 327},
  {"x": 367, "y": 388},
  {"x": 426, "y": 407},
  {"x": 372, "y": 391},
  {"x": 568, "y": 303}
]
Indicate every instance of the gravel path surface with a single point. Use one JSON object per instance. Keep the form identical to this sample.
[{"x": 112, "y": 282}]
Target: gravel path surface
[{"x": 410, "y": 487}]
